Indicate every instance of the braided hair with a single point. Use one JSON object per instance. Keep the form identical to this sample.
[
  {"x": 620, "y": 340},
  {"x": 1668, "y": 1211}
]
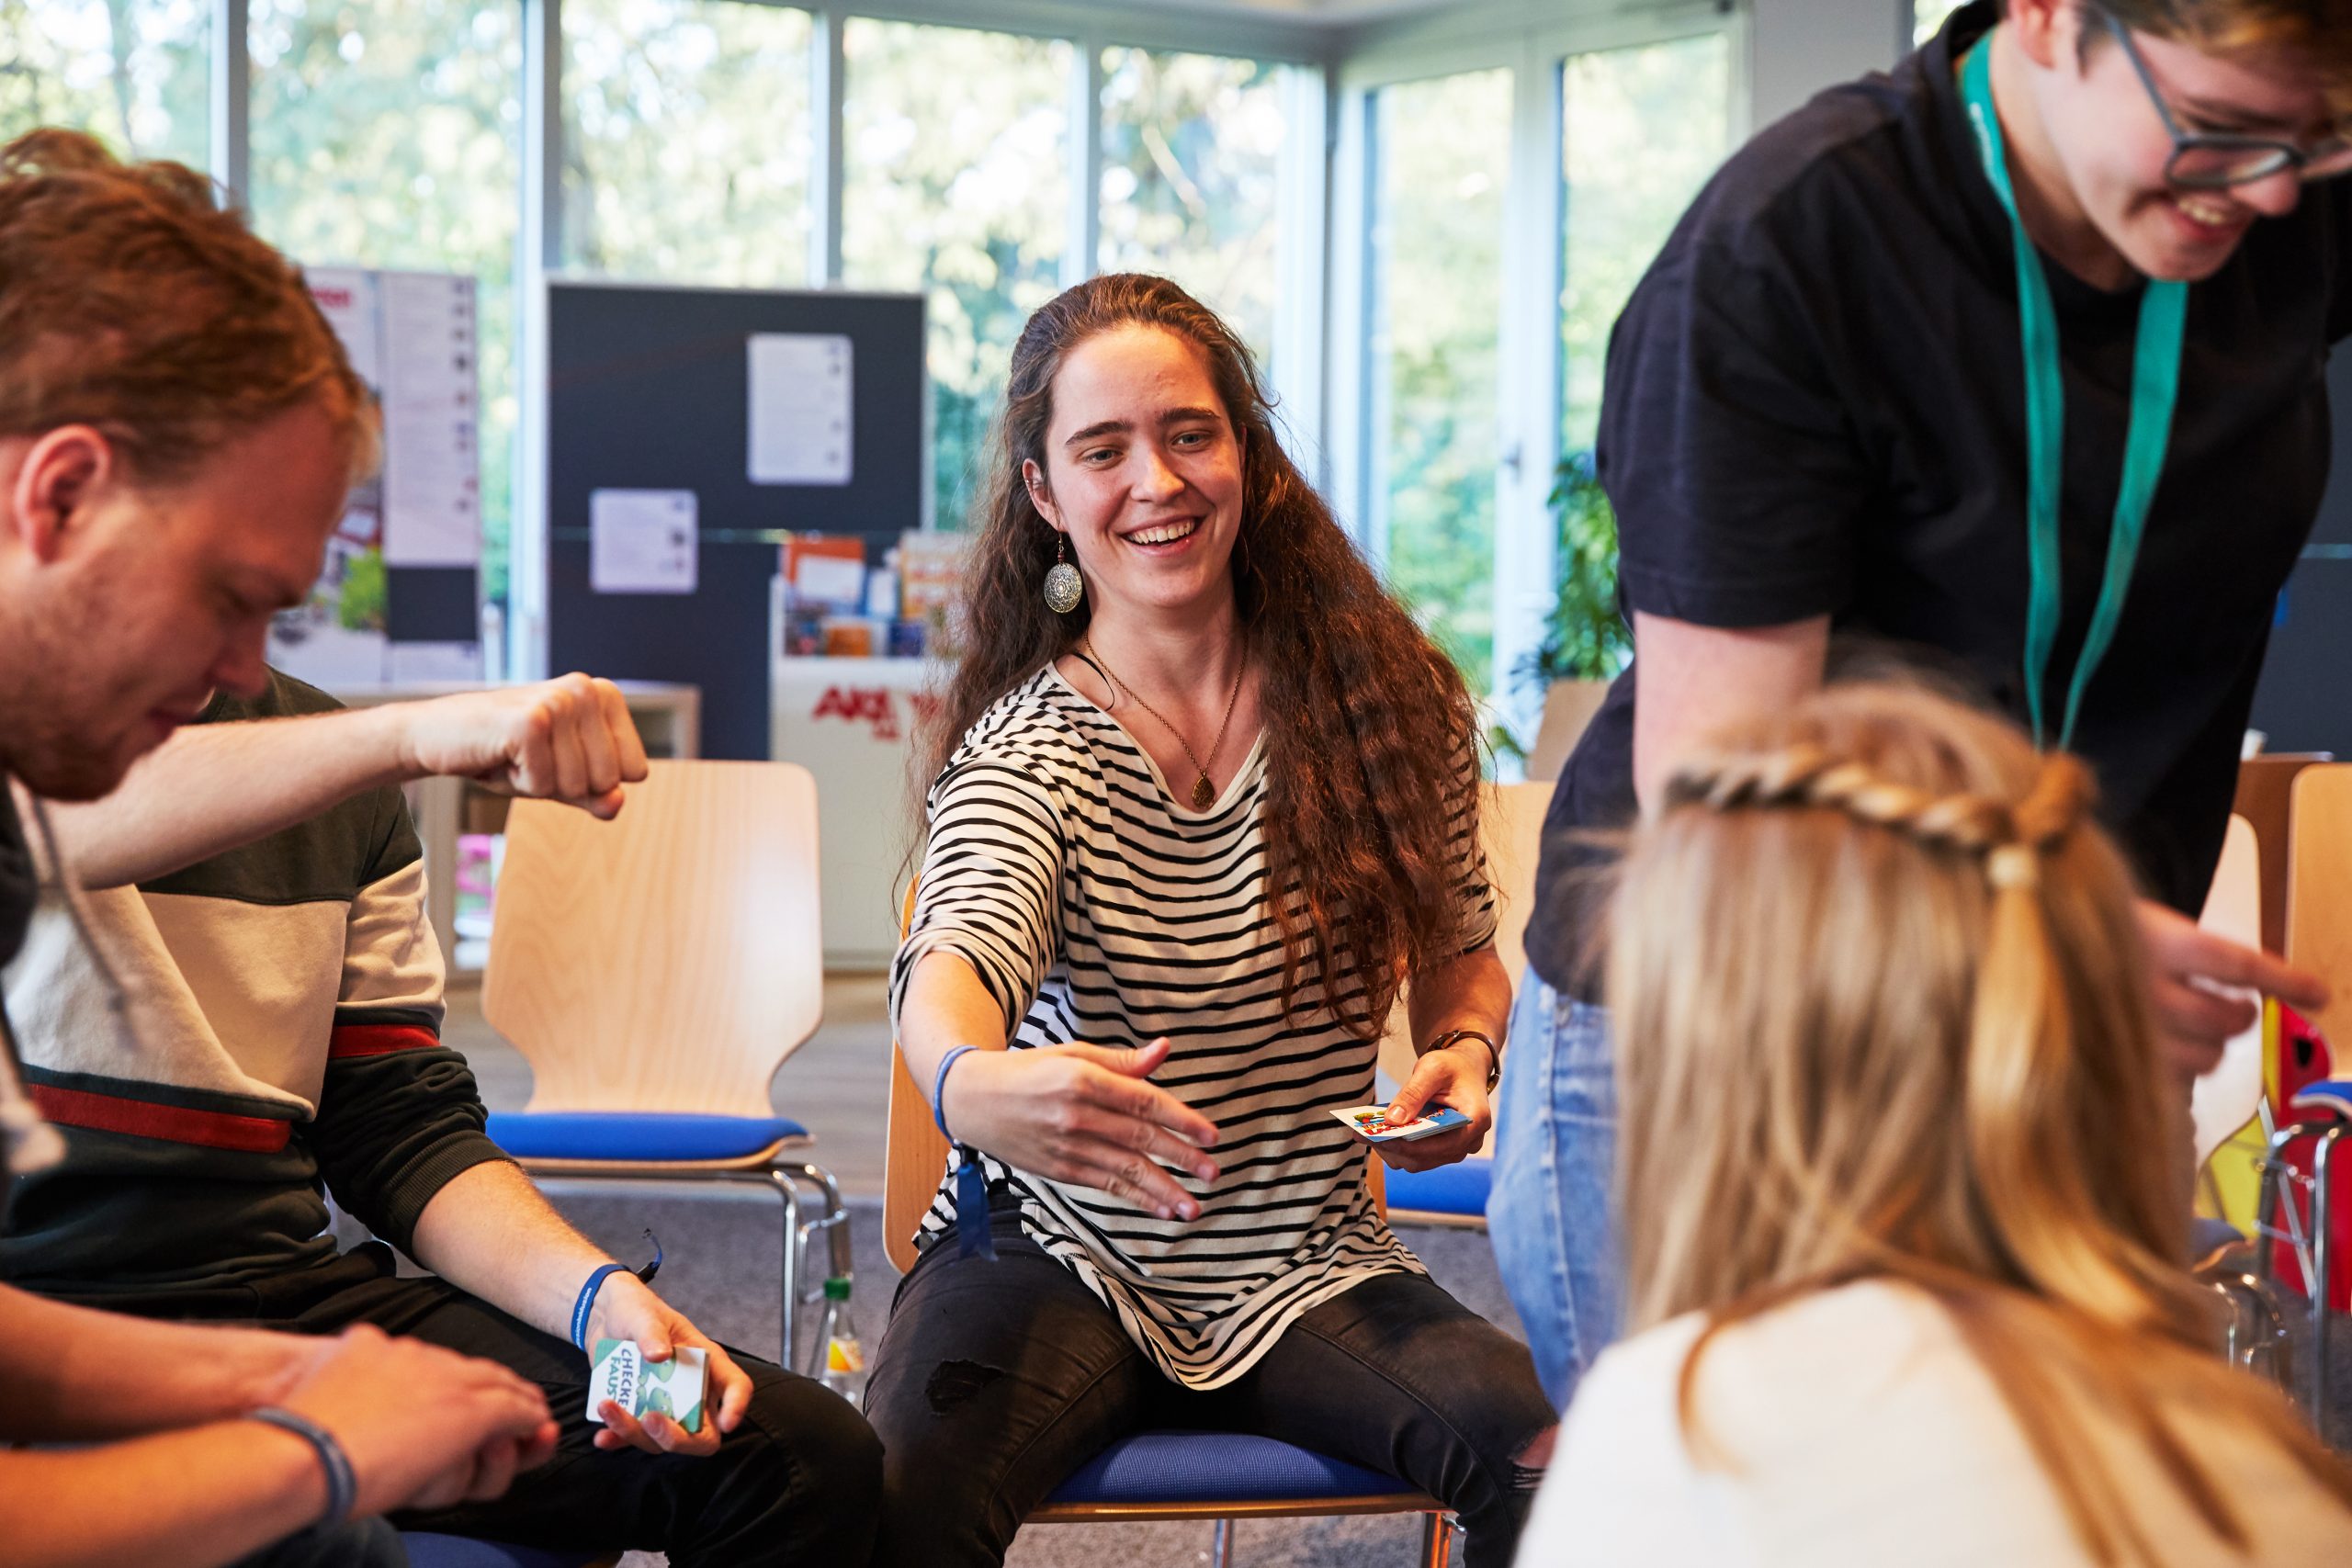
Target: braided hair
[{"x": 1881, "y": 1013}]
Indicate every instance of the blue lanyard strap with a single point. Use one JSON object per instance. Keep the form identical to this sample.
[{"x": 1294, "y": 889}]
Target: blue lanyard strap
[{"x": 2155, "y": 388}]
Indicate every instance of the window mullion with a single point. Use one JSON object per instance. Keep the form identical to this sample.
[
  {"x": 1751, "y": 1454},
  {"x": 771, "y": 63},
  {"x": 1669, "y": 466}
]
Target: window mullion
[
  {"x": 231, "y": 149},
  {"x": 828, "y": 89},
  {"x": 1083, "y": 247}
]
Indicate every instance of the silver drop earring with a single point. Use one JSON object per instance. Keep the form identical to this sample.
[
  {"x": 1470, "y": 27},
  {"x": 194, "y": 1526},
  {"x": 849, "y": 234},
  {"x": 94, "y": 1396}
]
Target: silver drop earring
[{"x": 1064, "y": 587}]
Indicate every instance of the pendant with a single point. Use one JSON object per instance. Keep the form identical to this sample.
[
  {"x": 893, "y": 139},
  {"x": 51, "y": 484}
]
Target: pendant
[{"x": 1203, "y": 795}]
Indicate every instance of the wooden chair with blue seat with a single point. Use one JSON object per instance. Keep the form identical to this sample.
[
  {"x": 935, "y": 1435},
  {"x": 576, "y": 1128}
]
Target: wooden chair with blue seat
[
  {"x": 1510, "y": 820},
  {"x": 656, "y": 970},
  {"x": 1165, "y": 1475}
]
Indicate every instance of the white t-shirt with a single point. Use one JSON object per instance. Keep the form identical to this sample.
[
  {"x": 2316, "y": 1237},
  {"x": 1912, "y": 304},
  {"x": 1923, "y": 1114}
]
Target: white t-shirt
[{"x": 1866, "y": 1434}]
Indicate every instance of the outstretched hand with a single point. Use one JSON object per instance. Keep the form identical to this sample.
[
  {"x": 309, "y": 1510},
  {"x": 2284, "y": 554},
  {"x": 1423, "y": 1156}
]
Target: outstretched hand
[
  {"x": 2192, "y": 975},
  {"x": 1085, "y": 1115}
]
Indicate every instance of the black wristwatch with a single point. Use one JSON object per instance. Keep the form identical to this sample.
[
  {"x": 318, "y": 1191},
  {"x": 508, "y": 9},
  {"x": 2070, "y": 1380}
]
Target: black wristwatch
[{"x": 1494, "y": 1051}]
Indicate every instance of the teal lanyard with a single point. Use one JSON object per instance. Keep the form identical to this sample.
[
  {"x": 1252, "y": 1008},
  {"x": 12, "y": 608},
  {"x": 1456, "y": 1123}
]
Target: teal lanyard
[{"x": 2155, "y": 388}]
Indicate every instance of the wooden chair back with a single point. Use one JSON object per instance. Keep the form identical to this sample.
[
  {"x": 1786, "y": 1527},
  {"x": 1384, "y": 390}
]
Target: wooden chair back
[
  {"x": 671, "y": 959},
  {"x": 2265, "y": 798},
  {"x": 2319, "y": 887},
  {"x": 2225, "y": 1099}
]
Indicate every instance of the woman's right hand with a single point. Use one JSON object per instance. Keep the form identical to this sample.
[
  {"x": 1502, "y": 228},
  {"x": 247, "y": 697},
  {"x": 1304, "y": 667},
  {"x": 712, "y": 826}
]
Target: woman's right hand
[{"x": 1083, "y": 1115}]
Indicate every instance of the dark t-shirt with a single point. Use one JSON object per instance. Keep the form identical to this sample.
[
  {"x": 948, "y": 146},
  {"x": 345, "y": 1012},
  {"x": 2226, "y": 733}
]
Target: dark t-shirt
[
  {"x": 19, "y": 892},
  {"x": 1816, "y": 407}
]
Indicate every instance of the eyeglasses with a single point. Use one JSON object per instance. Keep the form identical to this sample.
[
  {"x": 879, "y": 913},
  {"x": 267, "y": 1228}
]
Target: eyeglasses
[{"x": 2217, "y": 159}]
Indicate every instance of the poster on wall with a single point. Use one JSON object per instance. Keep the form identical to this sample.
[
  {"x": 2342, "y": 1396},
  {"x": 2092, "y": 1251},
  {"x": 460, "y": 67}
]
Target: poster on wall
[
  {"x": 800, "y": 397},
  {"x": 338, "y": 636},
  {"x": 432, "y": 469},
  {"x": 411, "y": 338}
]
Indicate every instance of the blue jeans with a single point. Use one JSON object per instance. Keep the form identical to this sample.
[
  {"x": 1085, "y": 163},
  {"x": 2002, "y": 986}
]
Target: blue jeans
[{"x": 1552, "y": 1215}]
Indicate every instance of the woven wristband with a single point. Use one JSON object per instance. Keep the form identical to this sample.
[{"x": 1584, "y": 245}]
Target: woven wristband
[
  {"x": 587, "y": 1302},
  {"x": 973, "y": 1238},
  {"x": 343, "y": 1481}
]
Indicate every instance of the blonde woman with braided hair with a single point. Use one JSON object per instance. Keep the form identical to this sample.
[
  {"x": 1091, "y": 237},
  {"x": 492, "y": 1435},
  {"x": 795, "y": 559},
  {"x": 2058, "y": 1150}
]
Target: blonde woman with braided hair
[{"x": 1905, "y": 1185}]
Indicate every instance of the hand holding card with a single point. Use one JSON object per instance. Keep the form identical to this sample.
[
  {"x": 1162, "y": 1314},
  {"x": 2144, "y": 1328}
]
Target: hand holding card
[
  {"x": 1371, "y": 1123},
  {"x": 619, "y": 1371}
]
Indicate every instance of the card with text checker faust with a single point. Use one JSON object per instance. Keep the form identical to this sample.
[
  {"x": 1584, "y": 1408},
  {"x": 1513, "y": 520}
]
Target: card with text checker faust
[
  {"x": 1371, "y": 1123},
  {"x": 619, "y": 1371}
]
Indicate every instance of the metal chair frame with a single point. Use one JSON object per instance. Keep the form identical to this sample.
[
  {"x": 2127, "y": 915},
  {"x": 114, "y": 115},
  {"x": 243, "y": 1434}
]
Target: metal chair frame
[{"x": 2312, "y": 1252}]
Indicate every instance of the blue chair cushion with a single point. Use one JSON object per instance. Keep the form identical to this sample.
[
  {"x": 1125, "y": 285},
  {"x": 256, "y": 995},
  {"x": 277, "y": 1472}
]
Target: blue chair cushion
[
  {"x": 1458, "y": 1189},
  {"x": 633, "y": 1136},
  {"x": 426, "y": 1550},
  {"x": 1215, "y": 1467},
  {"x": 2325, "y": 1094}
]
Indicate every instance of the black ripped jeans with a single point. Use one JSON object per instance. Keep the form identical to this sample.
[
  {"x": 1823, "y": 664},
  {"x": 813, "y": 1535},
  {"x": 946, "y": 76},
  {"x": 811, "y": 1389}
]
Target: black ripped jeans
[{"x": 995, "y": 1381}]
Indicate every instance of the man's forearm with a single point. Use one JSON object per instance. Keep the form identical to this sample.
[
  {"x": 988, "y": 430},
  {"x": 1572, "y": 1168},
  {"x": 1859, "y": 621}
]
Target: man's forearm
[
  {"x": 69, "y": 1374},
  {"x": 492, "y": 1234},
  {"x": 213, "y": 787},
  {"x": 201, "y": 1497}
]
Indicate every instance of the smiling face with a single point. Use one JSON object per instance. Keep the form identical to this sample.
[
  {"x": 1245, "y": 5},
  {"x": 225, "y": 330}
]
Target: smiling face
[
  {"x": 124, "y": 605},
  {"x": 2112, "y": 144},
  {"x": 1142, "y": 472}
]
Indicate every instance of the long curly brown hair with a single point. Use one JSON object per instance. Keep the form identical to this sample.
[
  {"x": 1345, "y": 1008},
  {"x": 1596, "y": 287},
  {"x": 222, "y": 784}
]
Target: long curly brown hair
[{"x": 1372, "y": 736}]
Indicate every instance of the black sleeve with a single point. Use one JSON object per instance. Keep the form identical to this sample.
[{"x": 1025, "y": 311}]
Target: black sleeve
[
  {"x": 398, "y": 1114},
  {"x": 395, "y": 1128},
  {"x": 2337, "y": 193},
  {"x": 1738, "y": 478}
]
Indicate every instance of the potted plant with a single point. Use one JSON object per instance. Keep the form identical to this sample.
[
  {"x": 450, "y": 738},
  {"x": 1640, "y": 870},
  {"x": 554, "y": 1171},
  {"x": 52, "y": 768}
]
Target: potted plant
[{"x": 1586, "y": 641}]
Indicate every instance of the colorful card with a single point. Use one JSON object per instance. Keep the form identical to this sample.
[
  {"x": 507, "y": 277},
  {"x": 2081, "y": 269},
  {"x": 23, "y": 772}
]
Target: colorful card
[
  {"x": 619, "y": 1371},
  {"x": 1371, "y": 1123}
]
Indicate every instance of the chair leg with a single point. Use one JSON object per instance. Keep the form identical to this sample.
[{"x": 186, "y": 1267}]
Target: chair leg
[
  {"x": 835, "y": 1220},
  {"x": 790, "y": 1323},
  {"x": 1437, "y": 1540},
  {"x": 2322, "y": 1264},
  {"x": 1221, "y": 1545},
  {"x": 835, "y": 1216}
]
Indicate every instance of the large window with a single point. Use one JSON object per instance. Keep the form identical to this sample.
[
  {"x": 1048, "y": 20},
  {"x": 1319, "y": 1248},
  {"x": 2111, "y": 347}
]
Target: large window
[
  {"x": 386, "y": 133},
  {"x": 133, "y": 72},
  {"x": 1443, "y": 151},
  {"x": 1642, "y": 131},
  {"x": 956, "y": 183},
  {"x": 1928, "y": 17},
  {"x": 686, "y": 143},
  {"x": 1191, "y": 145}
]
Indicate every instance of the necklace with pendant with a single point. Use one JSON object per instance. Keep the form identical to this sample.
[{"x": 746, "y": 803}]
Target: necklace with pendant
[{"x": 1202, "y": 794}]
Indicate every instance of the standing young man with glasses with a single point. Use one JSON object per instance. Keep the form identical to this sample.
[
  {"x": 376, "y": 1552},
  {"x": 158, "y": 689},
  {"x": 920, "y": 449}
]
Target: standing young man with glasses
[{"x": 2014, "y": 358}]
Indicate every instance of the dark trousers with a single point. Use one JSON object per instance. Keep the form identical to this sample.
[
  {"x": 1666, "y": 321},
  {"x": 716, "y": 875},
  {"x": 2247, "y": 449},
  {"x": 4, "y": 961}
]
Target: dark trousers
[
  {"x": 995, "y": 1381},
  {"x": 361, "y": 1543},
  {"x": 800, "y": 1482}
]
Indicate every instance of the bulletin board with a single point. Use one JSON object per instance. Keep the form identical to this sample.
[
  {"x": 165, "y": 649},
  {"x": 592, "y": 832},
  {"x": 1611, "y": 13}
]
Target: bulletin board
[{"x": 729, "y": 396}]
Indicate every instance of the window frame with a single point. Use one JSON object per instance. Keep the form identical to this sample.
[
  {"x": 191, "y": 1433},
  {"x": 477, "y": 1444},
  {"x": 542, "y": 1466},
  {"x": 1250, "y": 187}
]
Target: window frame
[
  {"x": 1321, "y": 350},
  {"x": 1528, "y": 393}
]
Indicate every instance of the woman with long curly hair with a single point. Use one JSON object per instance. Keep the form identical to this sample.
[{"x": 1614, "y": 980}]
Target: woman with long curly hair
[
  {"x": 1905, "y": 1184},
  {"x": 1203, "y": 806}
]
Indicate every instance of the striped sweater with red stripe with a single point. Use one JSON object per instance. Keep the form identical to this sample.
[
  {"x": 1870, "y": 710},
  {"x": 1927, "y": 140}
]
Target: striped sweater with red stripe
[{"x": 280, "y": 1030}]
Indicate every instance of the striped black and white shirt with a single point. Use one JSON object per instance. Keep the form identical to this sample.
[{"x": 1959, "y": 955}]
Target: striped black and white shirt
[{"x": 1095, "y": 913}]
